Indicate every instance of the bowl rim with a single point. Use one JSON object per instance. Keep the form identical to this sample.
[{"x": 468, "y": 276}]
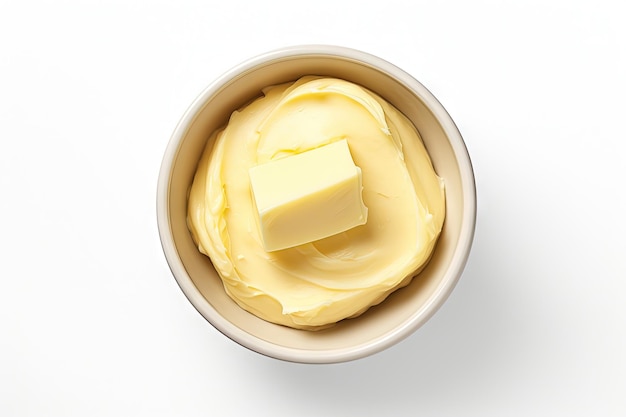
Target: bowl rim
[{"x": 395, "y": 335}]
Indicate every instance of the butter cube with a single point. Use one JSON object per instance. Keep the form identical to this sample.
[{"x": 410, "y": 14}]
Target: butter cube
[{"x": 308, "y": 196}]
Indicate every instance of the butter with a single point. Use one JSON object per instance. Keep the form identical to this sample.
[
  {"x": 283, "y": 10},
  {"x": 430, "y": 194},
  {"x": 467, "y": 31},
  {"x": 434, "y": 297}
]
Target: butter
[
  {"x": 314, "y": 285},
  {"x": 308, "y": 196}
]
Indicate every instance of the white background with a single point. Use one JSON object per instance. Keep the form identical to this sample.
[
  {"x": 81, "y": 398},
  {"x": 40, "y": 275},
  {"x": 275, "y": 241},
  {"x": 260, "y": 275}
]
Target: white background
[{"x": 92, "y": 322}]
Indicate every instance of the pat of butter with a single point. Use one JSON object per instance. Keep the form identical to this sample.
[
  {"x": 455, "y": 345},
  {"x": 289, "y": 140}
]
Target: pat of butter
[{"x": 308, "y": 196}]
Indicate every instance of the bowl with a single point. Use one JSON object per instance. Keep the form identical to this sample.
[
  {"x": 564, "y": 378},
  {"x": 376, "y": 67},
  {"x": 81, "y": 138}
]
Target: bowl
[{"x": 405, "y": 310}]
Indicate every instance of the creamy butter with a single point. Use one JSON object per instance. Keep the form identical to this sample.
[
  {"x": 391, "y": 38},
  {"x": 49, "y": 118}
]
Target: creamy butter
[
  {"x": 307, "y": 196},
  {"x": 314, "y": 285}
]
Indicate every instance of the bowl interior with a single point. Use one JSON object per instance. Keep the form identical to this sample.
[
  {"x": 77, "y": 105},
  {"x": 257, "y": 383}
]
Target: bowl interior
[{"x": 407, "y": 308}]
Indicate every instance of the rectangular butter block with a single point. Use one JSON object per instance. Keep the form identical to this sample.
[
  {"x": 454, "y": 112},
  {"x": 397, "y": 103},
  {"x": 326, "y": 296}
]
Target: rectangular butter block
[{"x": 308, "y": 196}]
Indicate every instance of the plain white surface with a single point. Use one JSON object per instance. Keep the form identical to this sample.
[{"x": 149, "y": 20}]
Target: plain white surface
[{"x": 91, "y": 320}]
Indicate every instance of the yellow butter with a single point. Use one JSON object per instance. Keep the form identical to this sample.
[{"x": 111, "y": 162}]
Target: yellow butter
[
  {"x": 314, "y": 285},
  {"x": 308, "y": 196}
]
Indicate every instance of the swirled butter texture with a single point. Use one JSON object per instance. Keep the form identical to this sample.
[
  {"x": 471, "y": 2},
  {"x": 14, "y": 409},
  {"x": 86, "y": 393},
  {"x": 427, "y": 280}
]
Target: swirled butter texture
[{"x": 314, "y": 285}]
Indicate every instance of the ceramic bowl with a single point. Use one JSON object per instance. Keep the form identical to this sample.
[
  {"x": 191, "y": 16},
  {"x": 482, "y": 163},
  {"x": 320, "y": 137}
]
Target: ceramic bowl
[{"x": 405, "y": 310}]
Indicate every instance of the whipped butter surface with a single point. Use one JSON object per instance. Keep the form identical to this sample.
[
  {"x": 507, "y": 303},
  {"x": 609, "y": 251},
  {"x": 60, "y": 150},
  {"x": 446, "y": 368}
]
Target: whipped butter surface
[{"x": 317, "y": 284}]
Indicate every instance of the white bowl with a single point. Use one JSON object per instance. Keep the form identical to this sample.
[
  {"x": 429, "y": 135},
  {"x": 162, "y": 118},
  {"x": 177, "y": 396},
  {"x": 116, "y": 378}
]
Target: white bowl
[{"x": 403, "y": 311}]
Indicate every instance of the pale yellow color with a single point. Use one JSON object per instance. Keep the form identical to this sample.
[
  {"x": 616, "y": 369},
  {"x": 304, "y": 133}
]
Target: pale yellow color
[
  {"x": 307, "y": 196},
  {"x": 314, "y": 285}
]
